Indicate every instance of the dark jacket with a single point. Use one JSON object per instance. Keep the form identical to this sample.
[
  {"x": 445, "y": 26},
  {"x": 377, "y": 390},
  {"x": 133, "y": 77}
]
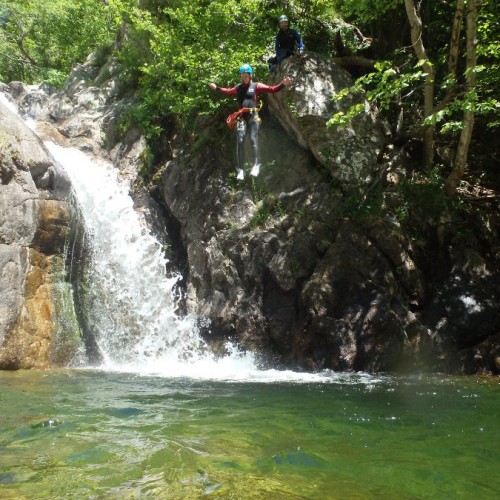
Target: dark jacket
[{"x": 285, "y": 43}]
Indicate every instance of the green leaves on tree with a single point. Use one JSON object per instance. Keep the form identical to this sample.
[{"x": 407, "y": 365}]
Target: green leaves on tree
[{"x": 40, "y": 41}]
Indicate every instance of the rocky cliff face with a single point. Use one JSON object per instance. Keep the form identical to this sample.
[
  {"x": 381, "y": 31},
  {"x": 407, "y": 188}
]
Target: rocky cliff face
[
  {"x": 34, "y": 229},
  {"x": 349, "y": 154},
  {"x": 278, "y": 263}
]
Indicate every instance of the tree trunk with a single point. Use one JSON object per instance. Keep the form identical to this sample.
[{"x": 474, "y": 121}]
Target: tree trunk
[
  {"x": 453, "y": 56},
  {"x": 455, "y": 38},
  {"x": 418, "y": 46},
  {"x": 355, "y": 61},
  {"x": 460, "y": 162}
]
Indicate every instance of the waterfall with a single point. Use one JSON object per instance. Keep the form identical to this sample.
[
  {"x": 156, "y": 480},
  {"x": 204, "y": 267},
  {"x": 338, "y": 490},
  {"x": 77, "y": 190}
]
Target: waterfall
[
  {"x": 132, "y": 311},
  {"x": 132, "y": 305}
]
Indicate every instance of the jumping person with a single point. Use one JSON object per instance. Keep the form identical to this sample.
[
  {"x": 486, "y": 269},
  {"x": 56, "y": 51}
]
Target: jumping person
[
  {"x": 247, "y": 93},
  {"x": 287, "y": 41}
]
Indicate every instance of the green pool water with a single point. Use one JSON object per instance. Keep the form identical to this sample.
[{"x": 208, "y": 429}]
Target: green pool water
[{"x": 90, "y": 434}]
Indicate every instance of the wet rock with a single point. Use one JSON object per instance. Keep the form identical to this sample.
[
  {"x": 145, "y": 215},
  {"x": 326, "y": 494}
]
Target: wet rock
[
  {"x": 34, "y": 228},
  {"x": 50, "y": 422}
]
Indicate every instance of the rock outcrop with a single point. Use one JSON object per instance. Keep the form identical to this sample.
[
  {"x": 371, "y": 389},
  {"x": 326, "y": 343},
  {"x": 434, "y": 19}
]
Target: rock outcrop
[
  {"x": 34, "y": 230},
  {"x": 350, "y": 153},
  {"x": 85, "y": 114},
  {"x": 277, "y": 264}
]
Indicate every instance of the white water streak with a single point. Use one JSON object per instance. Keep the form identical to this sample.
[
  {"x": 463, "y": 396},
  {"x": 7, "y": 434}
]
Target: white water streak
[{"x": 133, "y": 305}]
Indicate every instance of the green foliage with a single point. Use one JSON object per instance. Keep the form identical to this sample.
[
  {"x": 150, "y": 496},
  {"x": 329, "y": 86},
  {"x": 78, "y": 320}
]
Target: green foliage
[
  {"x": 365, "y": 10},
  {"x": 385, "y": 86},
  {"x": 261, "y": 216},
  {"x": 175, "y": 49},
  {"x": 147, "y": 158},
  {"x": 169, "y": 50},
  {"x": 423, "y": 195},
  {"x": 420, "y": 197},
  {"x": 41, "y": 40},
  {"x": 398, "y": 81},
  {"x": 188, "y": 45},
  {"x": 488, "y": 71},
  {"x": 267, "y": 206},
  {"x": 363, "y": 208}
]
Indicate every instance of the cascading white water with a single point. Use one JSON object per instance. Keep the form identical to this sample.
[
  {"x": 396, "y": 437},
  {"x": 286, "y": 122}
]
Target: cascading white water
[
  {"x": 133, "y": 314},
  {"x": 132, "y": 307}
]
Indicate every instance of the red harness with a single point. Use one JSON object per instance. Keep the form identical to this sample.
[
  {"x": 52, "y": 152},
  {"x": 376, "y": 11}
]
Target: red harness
[{"x": 233, "y": 118}]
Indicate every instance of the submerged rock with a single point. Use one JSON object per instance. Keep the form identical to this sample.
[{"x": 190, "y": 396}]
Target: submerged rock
[{"x": 50, "y": 422}]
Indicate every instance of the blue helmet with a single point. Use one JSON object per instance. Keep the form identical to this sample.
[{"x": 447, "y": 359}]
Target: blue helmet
[{"x": 246, "y": 68}]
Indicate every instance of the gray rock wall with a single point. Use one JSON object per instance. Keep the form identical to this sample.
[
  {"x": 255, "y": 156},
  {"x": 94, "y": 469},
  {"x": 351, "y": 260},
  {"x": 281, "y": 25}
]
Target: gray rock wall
[
  {"x": 34, "y": 225},
  {"x": 278, "y": 264}
]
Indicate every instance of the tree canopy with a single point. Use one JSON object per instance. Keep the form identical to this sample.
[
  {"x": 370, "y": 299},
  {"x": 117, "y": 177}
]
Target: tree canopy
[
  {"x": 41, "y": 40},
  {"x": 419, "y": 69},
  {"x": 441, "y": 75}
]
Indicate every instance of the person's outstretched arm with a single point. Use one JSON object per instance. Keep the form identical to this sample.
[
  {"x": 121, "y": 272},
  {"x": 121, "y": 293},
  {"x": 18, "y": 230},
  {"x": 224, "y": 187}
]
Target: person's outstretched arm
[
  {"x": 223, "y": 90},
  {"x": 271, "y": 89},
  {"x": 298, "y": 40}
]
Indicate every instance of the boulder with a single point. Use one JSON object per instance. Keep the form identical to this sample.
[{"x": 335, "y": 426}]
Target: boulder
[
  {"x": 351, "y": 153},
  {"x": 34, "y": 231}
]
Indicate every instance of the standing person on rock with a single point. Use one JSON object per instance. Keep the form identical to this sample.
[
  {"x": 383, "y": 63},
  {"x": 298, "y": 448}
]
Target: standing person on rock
[
  {"x": 286, "y": 43},
  {"x": 247, "y": 118}
]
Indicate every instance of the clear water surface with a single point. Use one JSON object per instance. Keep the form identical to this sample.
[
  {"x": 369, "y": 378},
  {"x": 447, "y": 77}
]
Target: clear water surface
[{"x": 96, "y": 434}]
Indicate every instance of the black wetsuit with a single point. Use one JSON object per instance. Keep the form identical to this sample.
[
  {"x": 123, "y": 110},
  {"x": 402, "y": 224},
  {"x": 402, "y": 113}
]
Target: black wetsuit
[{"x": 249, "y": 122}]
